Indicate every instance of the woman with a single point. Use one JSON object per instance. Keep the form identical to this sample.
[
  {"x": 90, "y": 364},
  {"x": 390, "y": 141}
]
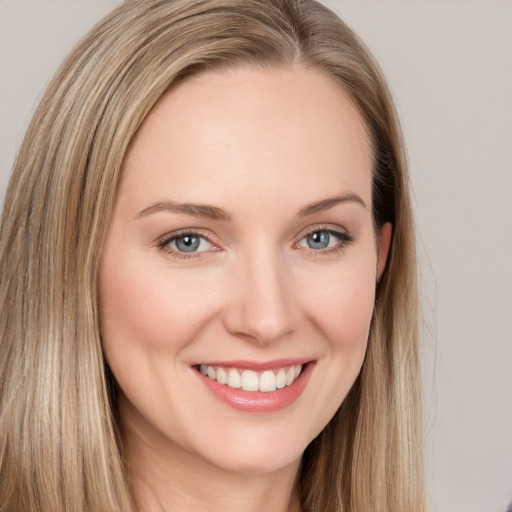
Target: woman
[{"x": 208, "y": 272}]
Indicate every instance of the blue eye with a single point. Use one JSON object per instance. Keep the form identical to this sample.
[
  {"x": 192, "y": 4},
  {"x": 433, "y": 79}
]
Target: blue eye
[
  {"x": 187, "y": 243},
  {"x": 319, "y": 240},
  {"x": 325, "y": 239}
]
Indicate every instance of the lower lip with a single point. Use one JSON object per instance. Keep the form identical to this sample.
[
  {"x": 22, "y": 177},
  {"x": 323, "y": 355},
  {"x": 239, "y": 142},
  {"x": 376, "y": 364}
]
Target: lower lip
[{"x": 258, "y": 401}]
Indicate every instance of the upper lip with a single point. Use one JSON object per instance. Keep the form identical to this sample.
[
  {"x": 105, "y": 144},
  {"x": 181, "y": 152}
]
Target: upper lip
[{"x": 245, "y": 364}]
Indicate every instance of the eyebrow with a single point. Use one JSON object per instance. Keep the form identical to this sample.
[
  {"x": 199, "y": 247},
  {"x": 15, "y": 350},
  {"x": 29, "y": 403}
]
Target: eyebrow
[
  {"x": 216, "y": 213},
  {"x": 326, "y": 204},
  {"x": 197, "y": 210}
]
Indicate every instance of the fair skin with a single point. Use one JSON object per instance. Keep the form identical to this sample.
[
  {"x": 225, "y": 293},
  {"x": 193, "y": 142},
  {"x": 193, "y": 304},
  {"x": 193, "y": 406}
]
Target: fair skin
[{"x": 278, "y": 271}]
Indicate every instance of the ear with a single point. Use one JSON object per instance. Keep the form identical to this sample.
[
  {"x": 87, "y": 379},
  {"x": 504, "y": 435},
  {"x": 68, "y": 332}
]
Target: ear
[{"x": 384, "y": 243}]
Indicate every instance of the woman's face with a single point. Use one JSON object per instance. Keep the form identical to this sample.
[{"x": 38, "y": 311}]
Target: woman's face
[{"x": 241, "y": 247}]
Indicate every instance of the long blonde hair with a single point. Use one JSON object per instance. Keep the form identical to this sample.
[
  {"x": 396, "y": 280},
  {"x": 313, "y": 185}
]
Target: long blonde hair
[{"x": 59, "y": 444}]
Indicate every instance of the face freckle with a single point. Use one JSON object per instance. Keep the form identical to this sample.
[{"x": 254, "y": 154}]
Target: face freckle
[{"x": 241, "y": 244}]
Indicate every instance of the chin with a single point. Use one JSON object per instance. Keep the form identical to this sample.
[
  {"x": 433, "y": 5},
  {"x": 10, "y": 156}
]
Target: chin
[
  {"x": 261, "y": 451},
  {"x": 258, "y": 462}
]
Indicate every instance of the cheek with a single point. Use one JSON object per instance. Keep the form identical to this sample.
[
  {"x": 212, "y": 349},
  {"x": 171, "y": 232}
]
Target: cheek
[
  {"x": 144, "y": 309},
  {"x": 342, "y": 308}
]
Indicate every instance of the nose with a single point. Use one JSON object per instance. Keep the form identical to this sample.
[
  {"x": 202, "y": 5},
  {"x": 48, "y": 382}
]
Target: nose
[{"x": 261, "y": 304}]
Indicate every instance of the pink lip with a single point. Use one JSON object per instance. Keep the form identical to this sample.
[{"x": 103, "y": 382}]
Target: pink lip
[{"x": 256, "y": 401}]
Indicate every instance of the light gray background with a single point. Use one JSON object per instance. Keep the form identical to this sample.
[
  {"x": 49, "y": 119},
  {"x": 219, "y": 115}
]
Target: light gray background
[{"x": 450, "y": 67}]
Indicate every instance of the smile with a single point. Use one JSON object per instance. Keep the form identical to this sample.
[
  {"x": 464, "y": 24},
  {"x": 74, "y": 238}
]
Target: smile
[
  {"x": 250, "y": 380},
  {"x": 256, "y": 387}
]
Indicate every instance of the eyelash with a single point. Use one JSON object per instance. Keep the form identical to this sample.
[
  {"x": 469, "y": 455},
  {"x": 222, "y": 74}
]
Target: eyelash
[
  {"x": 345, "y": 239},
  {"x": 163, "y": 244}
]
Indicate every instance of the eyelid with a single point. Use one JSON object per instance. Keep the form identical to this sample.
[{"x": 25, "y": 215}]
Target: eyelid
[
  {"x": 346, "y": 238},
  {"x": 163, "y": 242},
  {"x": 313, "y": 228}
]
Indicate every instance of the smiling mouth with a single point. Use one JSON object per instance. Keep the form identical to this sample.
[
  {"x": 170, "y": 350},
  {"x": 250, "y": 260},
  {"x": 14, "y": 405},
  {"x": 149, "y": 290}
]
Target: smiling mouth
[{"x": 250, "y": 380}]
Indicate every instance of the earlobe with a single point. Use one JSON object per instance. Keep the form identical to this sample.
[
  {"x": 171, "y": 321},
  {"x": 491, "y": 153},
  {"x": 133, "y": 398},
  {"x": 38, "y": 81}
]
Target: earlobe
[{"x": 384, "y": 243}]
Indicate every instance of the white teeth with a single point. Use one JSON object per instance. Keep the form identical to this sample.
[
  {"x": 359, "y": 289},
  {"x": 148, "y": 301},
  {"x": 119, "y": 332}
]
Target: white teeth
[
  {"x": 249, "y": 380},
  {"x": 268, "y": 381},
  {"x": 280, "y": 379},
  {"x": 222, "y": 376},
  {"x": 290, "y": 376},
  {"x": 234, "y": 379}
]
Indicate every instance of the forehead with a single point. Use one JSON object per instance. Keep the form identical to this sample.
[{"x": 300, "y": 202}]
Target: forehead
[{"x": 255, "y": 129}]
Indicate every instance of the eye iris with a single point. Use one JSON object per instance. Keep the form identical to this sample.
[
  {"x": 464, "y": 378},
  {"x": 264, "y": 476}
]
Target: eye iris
[
  {"x": 318, "y": 240},
  {"x": 187, "y": 243}
]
